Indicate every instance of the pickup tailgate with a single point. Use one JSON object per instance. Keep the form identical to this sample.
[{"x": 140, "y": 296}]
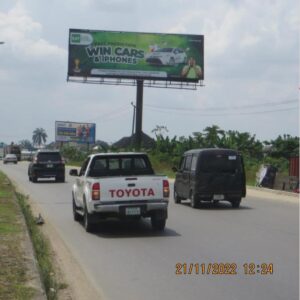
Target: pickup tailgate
[{"x": 131, "y": 188}]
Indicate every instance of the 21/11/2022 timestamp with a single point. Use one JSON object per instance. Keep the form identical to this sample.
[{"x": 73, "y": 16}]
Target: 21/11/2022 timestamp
[{"x": 223, "y": 269}]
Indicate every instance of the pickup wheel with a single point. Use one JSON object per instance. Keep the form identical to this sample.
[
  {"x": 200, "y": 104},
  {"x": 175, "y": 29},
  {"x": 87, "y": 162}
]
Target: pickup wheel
[
  {"x": 76, "y": 215},
  {"x": 158, "y": 224},
  {"x": 88, "y": 225}
]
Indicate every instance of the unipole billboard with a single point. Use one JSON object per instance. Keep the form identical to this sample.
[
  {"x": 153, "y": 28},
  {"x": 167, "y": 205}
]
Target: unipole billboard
[
  {"x": 82, "y": 133},
  {"x": 133, "y": 55}
]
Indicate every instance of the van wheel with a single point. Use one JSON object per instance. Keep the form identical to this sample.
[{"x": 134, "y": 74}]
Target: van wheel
[
  {"x": 177, "y": 199},
  {"x": 195, "y": 202},
  {"x": 236, "y": 202}
]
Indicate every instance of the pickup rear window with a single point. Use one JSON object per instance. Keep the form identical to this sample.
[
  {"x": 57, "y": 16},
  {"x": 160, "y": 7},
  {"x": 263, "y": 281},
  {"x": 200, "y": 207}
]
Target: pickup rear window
[{"x": 116, "y": 166}]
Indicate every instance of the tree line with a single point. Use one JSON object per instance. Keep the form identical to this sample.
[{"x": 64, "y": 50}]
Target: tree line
[
  {"x": 275, "y": 152},
  {"x": 168, "y": 150}
]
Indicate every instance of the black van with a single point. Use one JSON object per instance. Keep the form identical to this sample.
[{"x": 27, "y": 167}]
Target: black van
[{"x": 210, "y": 175}]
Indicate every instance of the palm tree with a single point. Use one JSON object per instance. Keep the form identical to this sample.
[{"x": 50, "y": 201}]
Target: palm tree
[
  {"x": 213, "y": 136},
  {"x": 39, "y": 136}
]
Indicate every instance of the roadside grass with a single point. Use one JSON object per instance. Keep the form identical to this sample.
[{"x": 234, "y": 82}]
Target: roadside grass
[
  {"x": 13, "y": 280},
  {"x": 13, "y": 269}
]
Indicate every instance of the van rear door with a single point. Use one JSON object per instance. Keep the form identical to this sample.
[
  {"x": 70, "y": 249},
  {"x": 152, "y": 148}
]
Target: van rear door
[{"x": 220, "y": 173}]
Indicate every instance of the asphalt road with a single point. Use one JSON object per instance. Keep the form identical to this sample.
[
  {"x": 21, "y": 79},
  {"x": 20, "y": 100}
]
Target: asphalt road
[{"x": 130, "y": 261}]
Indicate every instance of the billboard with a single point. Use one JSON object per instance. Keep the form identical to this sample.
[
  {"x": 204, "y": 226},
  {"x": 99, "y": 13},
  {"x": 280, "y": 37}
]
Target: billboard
[
  {"x": 82, "y": 133},
  {"x": 133, "y": 55}
]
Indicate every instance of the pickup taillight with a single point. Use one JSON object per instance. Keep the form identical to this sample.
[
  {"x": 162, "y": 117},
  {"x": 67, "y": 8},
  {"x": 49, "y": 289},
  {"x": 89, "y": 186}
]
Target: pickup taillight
[
  {"x": 166, "y": 189},
  {"x": 96, "y": 191}
]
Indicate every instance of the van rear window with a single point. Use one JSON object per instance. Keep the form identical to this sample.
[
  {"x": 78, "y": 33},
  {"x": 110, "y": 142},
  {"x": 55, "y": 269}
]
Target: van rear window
[{"x": 212, "y": 162}]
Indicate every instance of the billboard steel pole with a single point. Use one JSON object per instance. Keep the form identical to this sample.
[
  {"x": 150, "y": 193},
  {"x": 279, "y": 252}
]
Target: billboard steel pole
[{"x": 139, "y": 113}]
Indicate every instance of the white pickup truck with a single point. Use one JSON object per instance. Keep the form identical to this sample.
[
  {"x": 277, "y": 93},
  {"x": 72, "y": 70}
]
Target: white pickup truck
[{"x": 121, "y": 185}]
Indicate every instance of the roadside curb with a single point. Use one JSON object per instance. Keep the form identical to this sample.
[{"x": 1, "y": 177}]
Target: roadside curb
[
  {"x": 32, "y": 266},
  {"x": 277, "y": 192},
  {"x": 32, "y": 271}
]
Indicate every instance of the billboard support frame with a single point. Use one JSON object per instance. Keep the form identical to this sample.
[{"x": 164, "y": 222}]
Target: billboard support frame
[{"x": 181, "y": 85}]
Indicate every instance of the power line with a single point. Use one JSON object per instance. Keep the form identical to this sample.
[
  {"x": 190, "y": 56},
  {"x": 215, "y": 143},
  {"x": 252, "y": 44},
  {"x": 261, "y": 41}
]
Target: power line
[
  {"x": 227, "y": 114},
  {"x": 224, "y": 107},
  {"x": 108, "y": 114}
]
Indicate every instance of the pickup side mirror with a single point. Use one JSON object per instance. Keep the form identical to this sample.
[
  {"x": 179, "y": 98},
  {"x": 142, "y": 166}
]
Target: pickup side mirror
[
  {"x": 174, "y": 169},
  {"x": 73, "y": 172}
]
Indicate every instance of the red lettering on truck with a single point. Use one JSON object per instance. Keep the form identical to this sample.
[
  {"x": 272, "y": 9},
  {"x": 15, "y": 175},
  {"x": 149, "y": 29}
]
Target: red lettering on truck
[{"x": 129, "y": 192}]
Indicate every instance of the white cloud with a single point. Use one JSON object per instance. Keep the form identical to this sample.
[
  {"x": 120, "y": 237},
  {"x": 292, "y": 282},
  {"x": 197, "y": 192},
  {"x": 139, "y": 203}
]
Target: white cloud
[{"x": 22, "y": 36}]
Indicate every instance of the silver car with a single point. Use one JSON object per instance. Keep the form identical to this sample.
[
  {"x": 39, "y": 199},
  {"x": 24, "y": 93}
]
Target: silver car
[
  {"x": 166, "y": 57},
  {"x": 10, "y": 158}
]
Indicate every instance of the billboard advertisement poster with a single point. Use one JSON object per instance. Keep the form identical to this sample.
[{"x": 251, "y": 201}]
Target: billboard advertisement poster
[
  {"x": 133, "y": 55},
  {"x": 82, "y": 133}
]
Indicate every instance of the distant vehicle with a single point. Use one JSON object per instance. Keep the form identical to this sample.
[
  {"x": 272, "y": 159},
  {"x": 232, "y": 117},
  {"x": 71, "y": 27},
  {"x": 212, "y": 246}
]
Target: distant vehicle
[
  {"x": 10, "y": 158},
  {"x": 47, "y": 164},
  {"x": 166, "y": 56},
  {"x": 210, "y": 175},
  {"x": 12, "y": 149},
  {"x": 121, "y": 185}
]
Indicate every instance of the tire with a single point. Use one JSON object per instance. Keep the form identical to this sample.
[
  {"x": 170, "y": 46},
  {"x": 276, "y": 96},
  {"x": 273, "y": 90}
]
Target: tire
[
  {"x": 77, "y": 217},
  {"x": 177, "y": 199},
  {"x": 236, "y": 203},
  {"x": 158, "y": 224},
  {"x": 29, "y": 178},
  {"x": 60, "y": 179},
  {"x": 194, "y": 201},
  {"x": 34, "y": 179},
  {"x": 88, "y": 225},
  {"x": 172, "y": 61}
]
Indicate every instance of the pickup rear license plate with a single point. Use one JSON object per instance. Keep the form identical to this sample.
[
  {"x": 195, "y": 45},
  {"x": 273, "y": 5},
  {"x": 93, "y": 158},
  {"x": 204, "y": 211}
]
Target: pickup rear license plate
[
  {"x": 132, "y": 211},
  {"x": 49, "y": 166},
  {"x": 218, "y": 197}
]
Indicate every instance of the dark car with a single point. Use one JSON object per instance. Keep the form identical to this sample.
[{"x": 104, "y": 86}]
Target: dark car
[
  {"x": 210, "y": 175},
  {"x": 47, "y": 164}
]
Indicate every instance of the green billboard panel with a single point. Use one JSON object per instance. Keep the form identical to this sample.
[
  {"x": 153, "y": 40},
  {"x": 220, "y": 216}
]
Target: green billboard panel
[{"x": 133, "y": 55}]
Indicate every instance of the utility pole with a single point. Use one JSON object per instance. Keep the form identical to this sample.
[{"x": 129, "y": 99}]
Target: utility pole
[
  {"x": 133, "y": 119},
  {"x": 139, "y": 114}
]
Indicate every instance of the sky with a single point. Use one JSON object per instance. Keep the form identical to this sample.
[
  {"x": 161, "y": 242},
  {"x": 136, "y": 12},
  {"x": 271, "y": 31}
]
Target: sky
[{"x": 251, "y": 58}]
